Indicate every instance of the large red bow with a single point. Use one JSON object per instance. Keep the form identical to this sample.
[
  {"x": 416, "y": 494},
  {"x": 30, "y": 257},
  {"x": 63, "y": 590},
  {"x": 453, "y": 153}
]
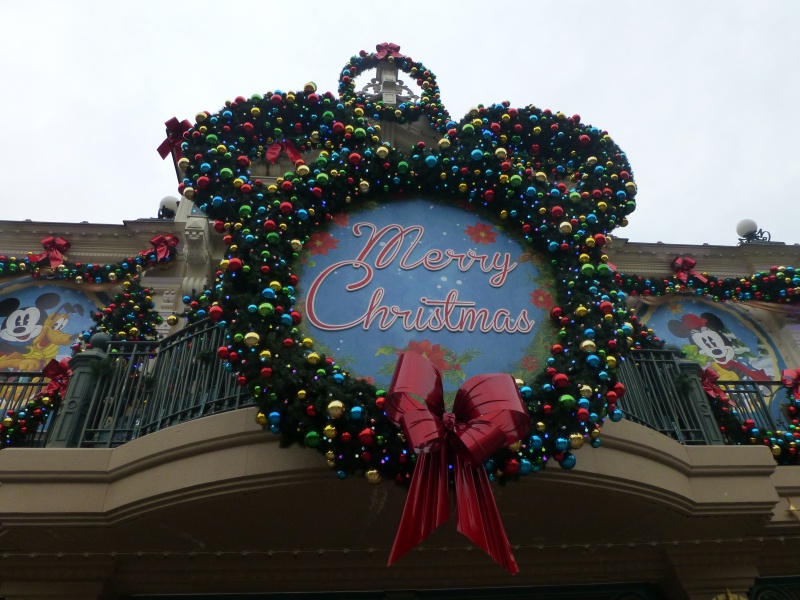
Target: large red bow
[
  {"x": 162, "y": 244},
  {"x": 684, "y": 268},
  {"x": 58, "y": 373},
  {"x": 791, "y": 379},
  {"x": 488, "y": 414},
  {"x": 53, "y": 248},
  {"x": 274, "y": 151},
  {"x": 175, "y": 131},
  {"x": 709, "y": 378},
  {"x": 387, "y": 49}
]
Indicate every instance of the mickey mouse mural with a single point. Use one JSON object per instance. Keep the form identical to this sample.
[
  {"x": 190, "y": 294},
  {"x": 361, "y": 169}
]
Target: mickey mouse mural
[
  {"x": 721, "y": 337},
  {"x": 40, "y": 322}
]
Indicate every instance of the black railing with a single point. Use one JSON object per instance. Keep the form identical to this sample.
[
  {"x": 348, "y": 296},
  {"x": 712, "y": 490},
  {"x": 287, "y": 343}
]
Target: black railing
[
  {"x": 665, "y": 393},
  {"x": 16, "y": 390},
  {"x": 146, "y": 386}
]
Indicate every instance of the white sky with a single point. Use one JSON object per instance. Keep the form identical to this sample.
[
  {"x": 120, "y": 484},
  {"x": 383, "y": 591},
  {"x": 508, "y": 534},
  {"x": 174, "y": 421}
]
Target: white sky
[{"x": 702, "y": 96}]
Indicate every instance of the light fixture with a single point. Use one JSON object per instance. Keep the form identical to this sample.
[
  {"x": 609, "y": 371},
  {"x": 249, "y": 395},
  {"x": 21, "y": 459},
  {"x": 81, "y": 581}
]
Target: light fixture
[{"x": 748, "y": 232}]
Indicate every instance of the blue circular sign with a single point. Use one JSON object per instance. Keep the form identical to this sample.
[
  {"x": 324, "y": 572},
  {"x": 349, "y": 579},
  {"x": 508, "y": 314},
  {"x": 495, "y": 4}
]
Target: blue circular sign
[{"x": 420, "y": 276}]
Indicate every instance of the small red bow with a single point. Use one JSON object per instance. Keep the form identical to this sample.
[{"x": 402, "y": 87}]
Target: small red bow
[
  {"x": 53, "y": 249},
  {"x": 58, "y": 373},
  {"x": 684, "y": 268},
  {"x": 488, "y": 414},
  {"x": 162, "y": 244},
  {"x": 175, "y": 131},
  {"x": 791, "y": 379},
  {"x": 387, "y": 49},
  {"x": 274, "y": 151},
  {"x": 709, "y": 379}
]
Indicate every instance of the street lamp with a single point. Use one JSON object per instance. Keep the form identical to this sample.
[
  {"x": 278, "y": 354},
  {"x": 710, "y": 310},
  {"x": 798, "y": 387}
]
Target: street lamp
[{"x": 748, "y": 232}]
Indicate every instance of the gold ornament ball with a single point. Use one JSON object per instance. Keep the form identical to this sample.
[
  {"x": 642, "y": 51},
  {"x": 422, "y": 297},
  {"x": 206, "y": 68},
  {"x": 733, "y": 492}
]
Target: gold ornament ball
[
  {"x": 565, "y": 227},
  {"x": 575, "y": 441},
  {"x": 172, "y": 320},
  {"x": 373, "y": 476},
  {"x": 595, "y": 434},
  {"x": 261, "y": 419},
  {"x": 335, "y": 409},
  {"x": 296, "y": 245},
  {"x": 611, "y": 361},
  {"x": 46, "y": 400},
  {"x": 332, "y": 464},
  {"x": 776, "y": 450},
  {"x": 383, "y": 152},
  {"x": 265, "y": 355},
  {"x": 122, "y": 334},
  {"x": 134, "y": 331},
  {"x": 330, "y": 455},
  {"x": 588, "y": 346},
  {"x": 8, "y": 421},
  {"x": 586, "y": 391},
  {"x": 252, "y": 339},
  {"x": 79, "y": 279},
  {"x": 515, "y": 447},
  {"x": 444, "y": 143},
  {"x": 312, "y": 358},
  {"x": 308, "y": 342},
  {"x": 581, "y": 311},
  {"x": 541, "y": 426},
  {"x": 329, "y": 432},
  {"x": 501, "y": 153}
]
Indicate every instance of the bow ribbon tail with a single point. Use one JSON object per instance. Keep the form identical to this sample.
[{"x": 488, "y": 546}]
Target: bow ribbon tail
[
  {"x": 427, "y": 504},
  {"x": 477, "y": 515}
]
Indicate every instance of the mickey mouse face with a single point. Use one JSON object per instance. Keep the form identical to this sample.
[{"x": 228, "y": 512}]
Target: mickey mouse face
[
  {"x": 22, "y": 325},
  {"x": 713, "y": 345}
]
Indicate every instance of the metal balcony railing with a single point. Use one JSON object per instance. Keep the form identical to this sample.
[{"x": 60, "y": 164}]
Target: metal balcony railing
[
  {"x": 16, "y": 390},
  {"x": 143, "y": 387},
  {"x": 665, "y": 393}
]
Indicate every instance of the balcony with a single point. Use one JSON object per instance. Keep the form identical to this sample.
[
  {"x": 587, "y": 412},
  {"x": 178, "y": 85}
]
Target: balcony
[{"x": 132, "y": 389}]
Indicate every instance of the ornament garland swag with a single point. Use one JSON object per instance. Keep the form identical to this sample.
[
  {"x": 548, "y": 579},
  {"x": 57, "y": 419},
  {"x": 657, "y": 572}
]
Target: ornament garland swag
[{"x": 560, "y": 184}]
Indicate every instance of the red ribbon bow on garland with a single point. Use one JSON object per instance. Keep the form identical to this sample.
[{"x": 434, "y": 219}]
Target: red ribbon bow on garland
[
  {"x": 684, "y": 268},
  {"x": 791, "y": 379},
  {"x": 274, "y": 151},
  {"x": 387, "y": 49},
  {"x": 709, "y": 379},
  {"x": 488, "y": 414},
  {"x": 162, "y": 244},
  {"x": 58, "y": 373},
  {"x": 53, "y": 249},
  {"x": 175, "y": 131}
]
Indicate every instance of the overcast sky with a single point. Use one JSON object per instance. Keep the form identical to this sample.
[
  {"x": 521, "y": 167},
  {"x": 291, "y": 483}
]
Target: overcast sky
[{"x": 701, "y": 95}]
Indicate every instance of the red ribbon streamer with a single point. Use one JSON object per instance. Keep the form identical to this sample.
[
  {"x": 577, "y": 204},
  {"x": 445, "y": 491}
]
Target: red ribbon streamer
[
  {"x": 58, "y": 373},
  {"x": 709, "y": 378},
  {"x": 53, "y": 249},
  {"x": 488, "y": 414},
  {"x": 684, "y": 268},
  {"x": 274, "y": 151},
  {"x": 387, "y": 49},
  {"x": 175, "y": 131},
  {"x": 162, "y": 244},
  {"x": 791, "y": 379}
]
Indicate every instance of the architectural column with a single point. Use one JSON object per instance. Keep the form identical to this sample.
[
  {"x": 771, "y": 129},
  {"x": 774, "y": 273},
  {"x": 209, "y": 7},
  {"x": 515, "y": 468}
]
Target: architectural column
[{"x": 65, "y": 430}]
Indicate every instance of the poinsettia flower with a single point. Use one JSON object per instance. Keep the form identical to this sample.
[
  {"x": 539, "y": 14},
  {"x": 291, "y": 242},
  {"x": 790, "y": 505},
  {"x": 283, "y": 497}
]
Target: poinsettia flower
[
  {"x": 320, "y": 242},
  {"x": 530, "y": 364},
  {"x": 433, "y": 352},
  {"x": 341, "y": 219},
  {"x": 541, "y": 299},
  {"x": 481, "y": 233}
]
